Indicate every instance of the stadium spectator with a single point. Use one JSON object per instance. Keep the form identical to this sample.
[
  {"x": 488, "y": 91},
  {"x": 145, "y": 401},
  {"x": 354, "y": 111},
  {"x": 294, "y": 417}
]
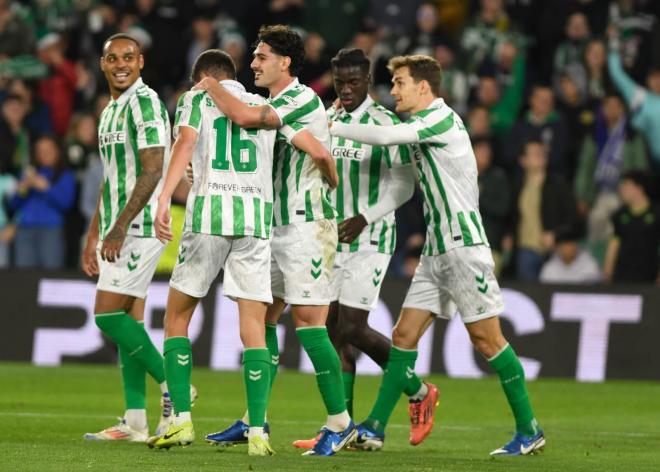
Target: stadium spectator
[
  {"x": 16, "y": 36},
  {"x": 455, "y": 87},
  {"x": 484, "y": 33},
  {"x": 204, "y": 35},
  {"x": 596, "y": 76},
  {"x": 38, "y": 115},
  {"x": 59, "y": 89},
  {"x": 478, "y": 121},
  {"x": 543, "y": 123},
  {"x": 427, "y": 34},
  {"x": 644, "y": 103},
  {"x": 14, "y": 136},
  {"x": 494, "y": 196},
  {"x": 81, "y": 143},
  {"x": 394, "y": 18},
  {"x": 569, "y": 264},
  {"x": 7, "y": 229},
  {"x": 570, "y": 52},
  {"x": 542, "y": 204},
  {"x": 632, "y": 253},
  {"x": 606, "y": 154},
  {"x": 43, "y": 196},
  {"x": 336, "y": 22}
]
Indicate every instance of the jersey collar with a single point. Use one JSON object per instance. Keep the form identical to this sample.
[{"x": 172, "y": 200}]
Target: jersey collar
[
  {"x": 123, "y": 98},
  {"x": 294, "y": 83},
  {"x": 359, "y": 111}
]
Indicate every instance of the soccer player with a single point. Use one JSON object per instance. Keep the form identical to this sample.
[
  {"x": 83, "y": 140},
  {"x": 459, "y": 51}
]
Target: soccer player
[
  {"x": 373, "y": 182},
  {"x": 456, "y": 268},
  {"x": 305, "y": 233},
  {"x": 134, "y": 143}
]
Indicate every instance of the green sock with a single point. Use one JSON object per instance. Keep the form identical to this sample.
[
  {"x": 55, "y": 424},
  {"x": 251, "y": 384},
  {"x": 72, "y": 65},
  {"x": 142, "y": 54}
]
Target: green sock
[
  {"x": 178, "y": 367},
  {"x": 133, "y": 375},
  {"x": 256, "y": 375},
  {"x": 400, "y": 366},
  {"x": 326, "y": 363},
  {"x": 349, "y": 381},
  {"x": 512, "y": 377},
  {"x": 131, "y": 336},
  {"x": 274, "y": 351},
  {"x": 413, "y": 385}
]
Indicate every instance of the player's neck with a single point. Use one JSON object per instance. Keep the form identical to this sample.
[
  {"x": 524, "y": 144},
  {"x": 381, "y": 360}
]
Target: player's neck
[
  {"x": 424, "y": 103},
  {"x": 280, "y": 85}
]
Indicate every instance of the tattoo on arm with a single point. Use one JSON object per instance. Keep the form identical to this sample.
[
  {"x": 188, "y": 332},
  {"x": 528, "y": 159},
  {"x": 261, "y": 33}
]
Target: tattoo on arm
[
  {"x": 151, "y": 160},
  {"x": 268, "y": 119}
]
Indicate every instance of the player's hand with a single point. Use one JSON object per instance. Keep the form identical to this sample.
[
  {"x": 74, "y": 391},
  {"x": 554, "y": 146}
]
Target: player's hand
[
  {"x": 112, "y": 244},
  {"x": 351, "y": 228},
  {"x": 189, "y": 173},
  {"x": 205, "y": 84},
  {"x": 89, "y": 260},
  {"x": 163, "y": 221}
]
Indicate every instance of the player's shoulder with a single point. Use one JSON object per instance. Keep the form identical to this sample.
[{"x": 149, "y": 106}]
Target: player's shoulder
[
  {"x": 382, "y": 115},
  {"x": 190, "y": 97},
  {"x": 143, "y": 91},
  {"x": 253, "y": 99}
]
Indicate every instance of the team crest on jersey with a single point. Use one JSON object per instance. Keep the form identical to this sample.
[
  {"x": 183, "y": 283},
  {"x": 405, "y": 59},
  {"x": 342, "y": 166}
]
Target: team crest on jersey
[{"x": 417, "y": 152}]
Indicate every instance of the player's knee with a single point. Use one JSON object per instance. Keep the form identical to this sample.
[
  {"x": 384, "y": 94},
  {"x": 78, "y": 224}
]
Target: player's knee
[
  {"x": 404, "y": 337},
  {"x": 487, "y": 344}
]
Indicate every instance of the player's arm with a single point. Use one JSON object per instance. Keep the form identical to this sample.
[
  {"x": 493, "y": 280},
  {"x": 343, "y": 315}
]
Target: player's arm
[
  {"x": 89, "y": 261},
  {"x": 305, "y": 141},
  {"x": 401, "y": 186},
  {"x": 611, "y": 256},
  {"x": 243, "y": 115},
  {"x": 182, "y": 151},
  {"x": 151, "y": 162},
  {"x": 376, "y": 135}
]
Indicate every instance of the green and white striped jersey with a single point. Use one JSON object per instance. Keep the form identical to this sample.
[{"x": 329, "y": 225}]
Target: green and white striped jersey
[
  {"x": 363, "y": 177},
  {"x": 136, "y": 120},
  {"x": 300, "y": 192},
  {"x": 232, "y": 192},
  {"x": 447, "y": 172}
]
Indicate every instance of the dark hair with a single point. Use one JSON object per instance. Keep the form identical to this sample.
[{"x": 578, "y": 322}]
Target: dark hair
[
  {"x": 123, "y": 36},
  {"x": 534, "y": 141},
  {"x": 216, "y": 63},
  {"x": 641, "y": 179},
  {"x": 421, "y": 68},
  {"x": 60, "y": 165},
  {"x": 284, "y": 42},
  {"x": 351, "y": 57}
]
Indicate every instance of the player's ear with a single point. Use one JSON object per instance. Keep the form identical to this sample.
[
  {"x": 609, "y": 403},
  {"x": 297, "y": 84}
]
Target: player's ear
[
  {"x": 286, "y": 62},
  {"x": 141, "y": 61}
]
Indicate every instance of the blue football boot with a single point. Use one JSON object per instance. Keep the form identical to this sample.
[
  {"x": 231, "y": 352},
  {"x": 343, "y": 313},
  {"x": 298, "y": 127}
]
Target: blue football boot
[
  {"x": 522, "y": 445},
  {"x": 331, "y": 443},
  {"x": 235, "y": 434},
  {"x": 368, "y": 440}
]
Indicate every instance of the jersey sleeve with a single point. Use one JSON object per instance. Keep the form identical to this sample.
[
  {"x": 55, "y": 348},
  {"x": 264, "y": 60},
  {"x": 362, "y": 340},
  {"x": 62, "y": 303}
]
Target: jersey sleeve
[
  {"x": 189, "y": 111},
  {"x": 289, "y": 131},
  {"x": 149, "y": 120},
  {"x": 432, "y": 127},
  {"x": 296, "y": 105}
]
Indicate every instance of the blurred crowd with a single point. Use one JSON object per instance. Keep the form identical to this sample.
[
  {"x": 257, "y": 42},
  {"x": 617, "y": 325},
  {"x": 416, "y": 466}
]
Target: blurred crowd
[{"x": 561, "y": 99}]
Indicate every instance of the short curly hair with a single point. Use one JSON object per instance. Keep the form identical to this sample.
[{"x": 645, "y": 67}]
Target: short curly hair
[{"x": 285, "y": 42}]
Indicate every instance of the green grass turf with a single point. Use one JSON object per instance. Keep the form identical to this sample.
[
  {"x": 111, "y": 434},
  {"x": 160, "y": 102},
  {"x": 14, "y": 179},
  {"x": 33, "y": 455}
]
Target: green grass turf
[{"x": 612, "y": 426}]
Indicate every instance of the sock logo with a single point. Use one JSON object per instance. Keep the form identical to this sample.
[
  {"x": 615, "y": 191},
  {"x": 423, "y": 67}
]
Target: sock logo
[
  {"x": 409, "y": 373},
  {"x": 254, "y": 375},
  {"x": 183, "y": 359},
  {"x": 275, "y": 359}
]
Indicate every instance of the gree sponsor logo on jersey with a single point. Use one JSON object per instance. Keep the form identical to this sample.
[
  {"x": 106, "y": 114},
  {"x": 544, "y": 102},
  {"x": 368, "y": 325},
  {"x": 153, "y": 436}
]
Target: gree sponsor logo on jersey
[
  {"x": 348, "y": 153},
  {"x": 112, "y": 138}
]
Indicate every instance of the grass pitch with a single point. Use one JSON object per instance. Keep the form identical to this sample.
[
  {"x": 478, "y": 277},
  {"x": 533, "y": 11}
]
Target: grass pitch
[{"x": 611, "y": 426}]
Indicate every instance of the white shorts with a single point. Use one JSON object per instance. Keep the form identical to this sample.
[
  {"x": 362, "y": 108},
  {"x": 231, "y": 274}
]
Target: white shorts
[
  {"x": 303, "y": 256},
  {"x": 245, "y": 260},
  {"x": 462, "y": 278},
  {"x": 131, "y": 274},
  {"x": 357, "y": 278}
]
